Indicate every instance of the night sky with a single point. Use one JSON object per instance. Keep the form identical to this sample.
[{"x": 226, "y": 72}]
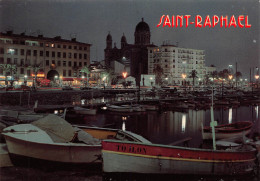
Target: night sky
[{"x": 91, "y": 20}]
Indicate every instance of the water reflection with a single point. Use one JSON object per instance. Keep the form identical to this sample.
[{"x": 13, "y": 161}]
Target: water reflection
[
  {"x": 183, "y": 123},
  {"x": 170, "y": 126},
  {"x": 230, "y": 115},
  {"x": 256, "y": 110}
]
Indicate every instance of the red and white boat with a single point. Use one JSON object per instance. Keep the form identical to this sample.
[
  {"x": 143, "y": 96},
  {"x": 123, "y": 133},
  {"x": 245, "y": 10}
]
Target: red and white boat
[
  {"x": 237, "y": 129},
  {"x": 130, "y": 157}
]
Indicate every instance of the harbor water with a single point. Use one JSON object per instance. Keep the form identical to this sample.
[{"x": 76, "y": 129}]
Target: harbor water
[{"x": 162, "y": 127}]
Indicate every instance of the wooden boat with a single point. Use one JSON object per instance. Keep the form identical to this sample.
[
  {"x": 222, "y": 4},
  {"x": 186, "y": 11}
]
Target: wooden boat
[
  {"x": 119, "y": 108},
  {"x": 237, "y": 129},
  {"x": 130, "y": 157},
  {"x": 136, "y": 107},
  {"x": 52, "y": 140},
  {"x": 85, "y": 111}
]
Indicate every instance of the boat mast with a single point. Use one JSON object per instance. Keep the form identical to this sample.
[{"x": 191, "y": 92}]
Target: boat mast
[{"x": 213, "y": 123}]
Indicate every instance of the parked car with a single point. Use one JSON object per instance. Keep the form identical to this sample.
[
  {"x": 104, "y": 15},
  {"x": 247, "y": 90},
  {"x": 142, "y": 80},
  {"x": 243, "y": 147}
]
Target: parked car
[{"x": 67, "y": 88}]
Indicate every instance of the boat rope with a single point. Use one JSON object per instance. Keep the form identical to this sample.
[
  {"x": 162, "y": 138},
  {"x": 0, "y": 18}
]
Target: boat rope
[{"x": 14, "y": 131}]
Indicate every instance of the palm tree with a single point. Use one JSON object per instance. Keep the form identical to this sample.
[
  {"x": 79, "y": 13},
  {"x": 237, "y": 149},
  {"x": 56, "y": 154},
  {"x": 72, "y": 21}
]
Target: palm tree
[
  {"x": 85, "y": 70},
  {"x": 109, "y": 74},
  {"x": 36, "y": 67},
  {"x": 193, "y": 75},
  {"x": 158, "y": 71}
]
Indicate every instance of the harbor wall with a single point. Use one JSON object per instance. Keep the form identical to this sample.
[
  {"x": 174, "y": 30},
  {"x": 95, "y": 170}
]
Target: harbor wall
[{"x": 46, "y": 97}]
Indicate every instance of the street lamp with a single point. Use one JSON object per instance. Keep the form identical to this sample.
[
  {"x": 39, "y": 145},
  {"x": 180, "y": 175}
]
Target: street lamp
[
  {"x": 25, "y": 79},
  {"x": 104, "y": 78},
  {"x": 124, "y": 75},
  {"x": 230, "y": 77},
  {"x": 55, "y": 78},
  {"x": 60, "y": 81},
  {"x": 257, "y": 77}
]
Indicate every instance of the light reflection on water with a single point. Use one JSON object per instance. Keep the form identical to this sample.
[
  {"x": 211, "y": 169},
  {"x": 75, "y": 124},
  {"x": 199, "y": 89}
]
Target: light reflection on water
[{"x": 169, "y": 126}]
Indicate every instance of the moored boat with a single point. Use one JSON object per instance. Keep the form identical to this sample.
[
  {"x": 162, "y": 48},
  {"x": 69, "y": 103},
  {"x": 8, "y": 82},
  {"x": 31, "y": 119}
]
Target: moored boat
[
  {"x": 129, "y": 157},
  {"x": 150, "y": 107},
  {"x": 237, "y": 129},
  {"x": 85, "y": 111},
  {"x": 119, "y": 108},
  {"x": 53, "y": 140}
]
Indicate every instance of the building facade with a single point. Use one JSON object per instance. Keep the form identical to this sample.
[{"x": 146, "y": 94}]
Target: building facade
[
  {"x": 55, "y": 57},
  {"x": 177, "y": 63}
]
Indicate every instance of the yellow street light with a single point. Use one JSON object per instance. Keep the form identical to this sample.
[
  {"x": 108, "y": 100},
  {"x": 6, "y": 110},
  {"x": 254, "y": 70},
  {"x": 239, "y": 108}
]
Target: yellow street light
[
  {"x": 183, "y": 76},
  {"x": 230, "y": 77},
  {"x": 124, "y": 74}
]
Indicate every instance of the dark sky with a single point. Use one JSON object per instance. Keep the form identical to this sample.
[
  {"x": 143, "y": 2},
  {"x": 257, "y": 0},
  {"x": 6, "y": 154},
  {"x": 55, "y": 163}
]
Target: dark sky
[{"x": 90, "y": 20}]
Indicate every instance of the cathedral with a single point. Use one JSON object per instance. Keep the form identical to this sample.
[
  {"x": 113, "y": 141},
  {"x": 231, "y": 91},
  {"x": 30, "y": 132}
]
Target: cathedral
[{"x": 136, "y": 54}]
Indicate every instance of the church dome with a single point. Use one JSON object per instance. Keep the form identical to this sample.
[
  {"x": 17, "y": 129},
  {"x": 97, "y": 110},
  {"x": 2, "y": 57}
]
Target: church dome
[{"x": 142, "y": 26}]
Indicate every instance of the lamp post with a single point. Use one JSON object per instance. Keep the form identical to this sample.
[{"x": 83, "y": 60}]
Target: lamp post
[
  {"x": 55, "y": 78},
  {"x": 257, "y": 76},
  {"x": 60, "y": 81},
  {"x": 151, "y": 82},
  {"x": 184, "y": 81},
  {"x": 25, "y": 79},
  {"x": 166, "y": 79},
  {"x": 230, "y": 78},
  {"x": 104, "y": 78},
  {"x": 124, "y": 75},
  {"x": 83, "y": 79}
]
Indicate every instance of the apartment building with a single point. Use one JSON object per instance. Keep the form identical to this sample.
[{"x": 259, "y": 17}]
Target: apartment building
[
  {"x": 56, "y": 57},
  {"x": 177, "y": 63}
]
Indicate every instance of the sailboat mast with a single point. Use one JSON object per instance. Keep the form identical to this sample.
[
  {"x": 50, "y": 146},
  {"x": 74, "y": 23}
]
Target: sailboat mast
[{"x": 213, "y": 123}]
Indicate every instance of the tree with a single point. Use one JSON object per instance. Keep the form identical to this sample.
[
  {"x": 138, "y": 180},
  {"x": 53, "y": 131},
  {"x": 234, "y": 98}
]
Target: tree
[
  {"x": 35, "y": 68},
  {"x": 85, "y": 70},
  {"x": 109, "y": 74},
  {"x": 11, "y": 69},
  {"x": 193, "y": 75},
  {"x": 206, "y": 79},
  {"x": 238, "y": 75},
  {"x": 158, "y": 71},
  {"x": 214, "y": 74},
  {"x": 223, "y": 74}
]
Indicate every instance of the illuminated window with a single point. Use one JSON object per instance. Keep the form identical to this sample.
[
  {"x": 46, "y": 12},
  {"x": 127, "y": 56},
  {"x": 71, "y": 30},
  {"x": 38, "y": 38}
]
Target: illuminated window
[{"x": 52, "y": 45}]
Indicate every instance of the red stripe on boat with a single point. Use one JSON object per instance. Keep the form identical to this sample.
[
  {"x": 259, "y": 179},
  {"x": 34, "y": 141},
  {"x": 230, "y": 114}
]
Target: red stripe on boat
[{"x": 175, "y": 152}]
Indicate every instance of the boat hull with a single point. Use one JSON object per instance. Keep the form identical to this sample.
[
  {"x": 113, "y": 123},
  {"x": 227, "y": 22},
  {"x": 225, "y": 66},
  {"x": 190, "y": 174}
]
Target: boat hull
[
  {"x": 207, "y": 136},
  {"x": 73, "y": 154},
  {"x": 121, "y": 157}
]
